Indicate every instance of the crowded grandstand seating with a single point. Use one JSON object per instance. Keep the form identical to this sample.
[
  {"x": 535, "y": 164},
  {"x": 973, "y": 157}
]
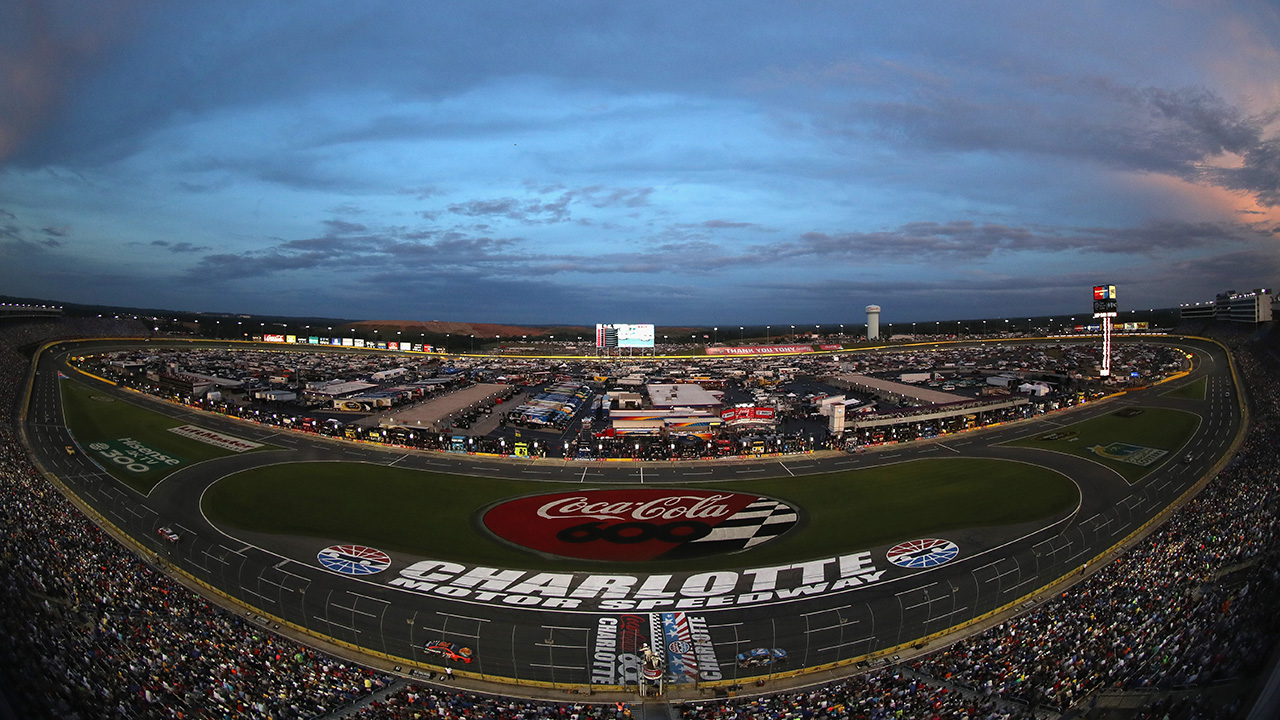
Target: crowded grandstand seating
[{"x": 88, "y": 630}]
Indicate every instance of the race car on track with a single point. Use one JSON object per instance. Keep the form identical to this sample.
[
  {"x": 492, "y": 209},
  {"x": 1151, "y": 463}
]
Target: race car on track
[
  {"x": 167, "y": 534},
  {"x": 448, "y": 650},
  {"x": 760, "y": 657}
]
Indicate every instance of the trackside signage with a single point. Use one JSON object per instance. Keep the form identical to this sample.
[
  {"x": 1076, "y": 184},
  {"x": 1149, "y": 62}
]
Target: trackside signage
[
  {"x": 133, "y": 455},
  {"x": 639, "y": 524},
  {"x": 760, "y": 350},
  {"x": 617, "y": 655},
  {"x": 226, "y": 442}
]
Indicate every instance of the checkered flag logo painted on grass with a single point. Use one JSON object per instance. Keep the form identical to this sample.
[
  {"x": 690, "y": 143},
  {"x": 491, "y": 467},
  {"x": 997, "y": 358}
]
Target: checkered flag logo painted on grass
[
  {"x": 639, "y": 524},
  {"x": 759, "y": 522}
]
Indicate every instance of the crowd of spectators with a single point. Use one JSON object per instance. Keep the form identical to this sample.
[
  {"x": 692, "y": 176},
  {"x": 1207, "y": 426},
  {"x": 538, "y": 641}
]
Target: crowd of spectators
[
  {"x": 413, "y": 702},
  {"x": 89, "y": 630}
]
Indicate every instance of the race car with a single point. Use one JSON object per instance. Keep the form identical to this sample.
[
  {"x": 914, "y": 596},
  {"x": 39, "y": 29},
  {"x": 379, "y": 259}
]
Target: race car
[
  {"x": 167, "y": 534},
  {"x": 448, "y": 650},
  {"x": 760, "y": 657}
]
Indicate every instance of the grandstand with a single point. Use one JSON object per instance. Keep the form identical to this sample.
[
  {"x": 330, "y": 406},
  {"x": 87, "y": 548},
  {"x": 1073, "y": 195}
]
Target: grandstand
[{"x": 1251, "y": 307}]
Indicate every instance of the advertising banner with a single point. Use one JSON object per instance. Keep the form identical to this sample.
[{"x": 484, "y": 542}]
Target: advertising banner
[
  {"x": 747, "y": 414},
  {"x": 617, "y": 656},
  {"x": 217, "y": 439},
  {"x": 273, "y": 338},
  {"x": 691, "y": 657},
  {"x": 133, "y": 455},
  {"x": 760, "y": 350}
]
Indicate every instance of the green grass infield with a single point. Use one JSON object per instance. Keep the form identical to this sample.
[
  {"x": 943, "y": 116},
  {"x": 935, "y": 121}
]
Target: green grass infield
[
  {"x": 1133, "y": 441},
  {"x": 437, "y": 515},
  {"x": 1194, "y": 390},
  {"x": 133, "y": 443}
]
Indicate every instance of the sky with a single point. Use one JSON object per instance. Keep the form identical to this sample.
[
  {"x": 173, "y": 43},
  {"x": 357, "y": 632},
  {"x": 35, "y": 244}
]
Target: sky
[{"x": 656, "y": 162}]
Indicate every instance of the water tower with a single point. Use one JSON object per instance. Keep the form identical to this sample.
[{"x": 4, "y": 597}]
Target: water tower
[{"x": 873, "y": 322}]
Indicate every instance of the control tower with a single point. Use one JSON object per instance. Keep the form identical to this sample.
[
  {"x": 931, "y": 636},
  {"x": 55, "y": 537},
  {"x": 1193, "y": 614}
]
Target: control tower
[{"x": 873, "y": 322}]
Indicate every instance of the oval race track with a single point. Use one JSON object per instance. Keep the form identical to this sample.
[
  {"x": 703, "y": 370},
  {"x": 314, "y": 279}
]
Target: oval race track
[{"x": 584, "y": 629}]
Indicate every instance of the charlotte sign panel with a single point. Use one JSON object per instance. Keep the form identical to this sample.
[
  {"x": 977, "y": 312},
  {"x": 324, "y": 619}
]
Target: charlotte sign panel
[{"x": 603, "y": 592}]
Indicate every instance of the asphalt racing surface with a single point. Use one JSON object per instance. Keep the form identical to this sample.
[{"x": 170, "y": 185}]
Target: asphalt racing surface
[{"x": 585, "y": 628}]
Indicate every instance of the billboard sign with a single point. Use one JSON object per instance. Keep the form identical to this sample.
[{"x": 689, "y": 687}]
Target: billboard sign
[
  {"x": 747, "y": 414},
  {"x": 627, "y": 336},
  {"x": 273, "y": 338},
  {"x": 1104, "y": 300},
  {"x": 760, "y": 350}
]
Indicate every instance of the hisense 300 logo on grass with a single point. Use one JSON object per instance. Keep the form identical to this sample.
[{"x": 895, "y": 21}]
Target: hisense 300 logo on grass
[{"x": 640, "y": 524}]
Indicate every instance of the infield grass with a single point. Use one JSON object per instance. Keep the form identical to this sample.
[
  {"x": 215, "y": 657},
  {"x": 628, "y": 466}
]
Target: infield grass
[
  {"x": 437, "y": 515},
  {"x": 1160, "y": 429},
  {"x": 96, "y": 418},
  {"x": 1194, "y": 390}
]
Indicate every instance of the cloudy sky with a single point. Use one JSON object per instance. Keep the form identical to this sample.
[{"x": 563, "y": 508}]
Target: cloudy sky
[{"x": 669, "y": 162}]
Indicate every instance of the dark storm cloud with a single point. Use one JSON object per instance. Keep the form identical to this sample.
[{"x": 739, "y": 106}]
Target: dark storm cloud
[
  {"x": 1242, "y": 270},
  {"x": 602, "y": 197},
  {"x": 1259, "y": 174},
  {"x": 726, "y": 225},
  {"x": 966, "y": 240},
  {"x": 360, "y": 253},
  {"x": 524, "y": 211},
  {"x": 179, "y": 247},
  {"x": 1174, "y": 131},
  {"x": 342, "y": 227}
]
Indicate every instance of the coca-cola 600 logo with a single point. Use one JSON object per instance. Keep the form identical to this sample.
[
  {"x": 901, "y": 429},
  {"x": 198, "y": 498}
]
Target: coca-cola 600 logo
[{"x": 640, "y": 523}]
